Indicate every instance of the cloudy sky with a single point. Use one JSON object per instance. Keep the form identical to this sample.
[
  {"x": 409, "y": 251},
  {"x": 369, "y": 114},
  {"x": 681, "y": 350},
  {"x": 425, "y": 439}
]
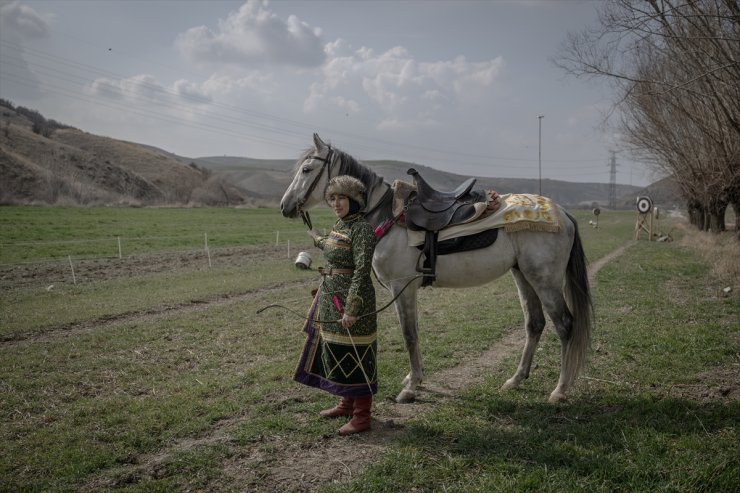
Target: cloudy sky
[{"x": 456, "y": 85}]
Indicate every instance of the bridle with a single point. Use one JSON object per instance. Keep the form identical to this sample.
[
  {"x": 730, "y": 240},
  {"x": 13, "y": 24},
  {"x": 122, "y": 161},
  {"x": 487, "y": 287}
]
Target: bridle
[
  {"x": 307, "y": 221},
  {"x": 326, "y": 164}
]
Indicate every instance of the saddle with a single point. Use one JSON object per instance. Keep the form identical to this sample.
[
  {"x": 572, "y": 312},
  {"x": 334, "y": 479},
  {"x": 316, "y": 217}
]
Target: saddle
[{"x": 431, "y": 210}]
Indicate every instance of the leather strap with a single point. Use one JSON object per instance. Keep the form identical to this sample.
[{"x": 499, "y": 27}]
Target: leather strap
[{"x": 330, "y": 271}]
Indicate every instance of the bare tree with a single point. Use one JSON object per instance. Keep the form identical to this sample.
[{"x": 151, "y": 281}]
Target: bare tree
[{"x": 675, "y": 67}]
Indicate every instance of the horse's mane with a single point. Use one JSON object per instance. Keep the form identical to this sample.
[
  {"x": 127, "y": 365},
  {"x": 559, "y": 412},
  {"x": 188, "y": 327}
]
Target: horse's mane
[{"x": 348, "y": 166}]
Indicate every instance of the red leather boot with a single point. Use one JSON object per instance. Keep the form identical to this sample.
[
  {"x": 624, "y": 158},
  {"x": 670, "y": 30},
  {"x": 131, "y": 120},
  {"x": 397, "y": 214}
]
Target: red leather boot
[
  {"x": 344, "y": 408},
  {"x": 360, "y": 416}
]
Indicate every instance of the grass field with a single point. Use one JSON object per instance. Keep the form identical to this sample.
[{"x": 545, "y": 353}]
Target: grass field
[
  {"x": 34, "y": 234},
  {"x": 153, "y": 372}
]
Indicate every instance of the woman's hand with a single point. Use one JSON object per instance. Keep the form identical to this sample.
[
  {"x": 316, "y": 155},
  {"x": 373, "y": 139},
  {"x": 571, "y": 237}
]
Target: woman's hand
[
  {"x": 348, "y": 321},
  {"x": 494, "y": 201},
  {"x": 313, "y": 233}
]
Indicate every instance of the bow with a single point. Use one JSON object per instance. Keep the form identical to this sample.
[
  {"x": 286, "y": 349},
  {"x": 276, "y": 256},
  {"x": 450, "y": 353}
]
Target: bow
[{"x": 384, "y": 307}]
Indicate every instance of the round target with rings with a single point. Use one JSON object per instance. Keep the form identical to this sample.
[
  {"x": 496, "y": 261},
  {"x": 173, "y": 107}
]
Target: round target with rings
[{"x": 644, "y": 205}]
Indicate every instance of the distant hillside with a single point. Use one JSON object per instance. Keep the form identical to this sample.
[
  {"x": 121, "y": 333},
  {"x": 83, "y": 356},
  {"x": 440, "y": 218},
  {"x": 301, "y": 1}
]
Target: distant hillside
[
  {"x": 45, "y": 162},
  {"x": 56, "y": 164},
  {"x": 664, "y": 193},
  {"x": 567, "y": 193},
  {"x": 271, "y": 178}
]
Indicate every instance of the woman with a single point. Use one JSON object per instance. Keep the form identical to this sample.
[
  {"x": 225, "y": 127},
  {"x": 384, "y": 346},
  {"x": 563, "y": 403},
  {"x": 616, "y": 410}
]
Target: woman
[{"x": 339, "y": 355}]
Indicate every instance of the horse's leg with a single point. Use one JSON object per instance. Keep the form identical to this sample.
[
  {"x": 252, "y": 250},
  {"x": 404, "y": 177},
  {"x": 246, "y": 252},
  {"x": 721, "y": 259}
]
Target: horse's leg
[
  {"x": 534, "y": 323},
  {"x": 557, "y": 309},
  {"x": 406, "y": 310}
]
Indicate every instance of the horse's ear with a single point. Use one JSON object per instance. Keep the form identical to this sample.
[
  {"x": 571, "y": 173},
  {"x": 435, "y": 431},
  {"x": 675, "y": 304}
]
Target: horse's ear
[{"x": 318, "y": 143}]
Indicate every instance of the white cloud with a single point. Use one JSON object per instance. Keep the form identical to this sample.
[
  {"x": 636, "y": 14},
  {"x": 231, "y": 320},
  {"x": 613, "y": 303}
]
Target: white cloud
[
  {"x": 106, "y": 88},
  {"x": 190, "y": 91},
  {"x": 432, "y": 95},
  {"x": 396, "y": 124},
  {"x": 24, "y": 21},
  {"x": 390, "y": 124},
  {"x": 338, "y": 48},
  {"x": 187, "y": 99},
  {"x": 224, "y": 84},
  {"x": 348, "y": 104},
  {"x": 252, "y": 37},
  {"x": 403, "y": 91},
  {"x": 139, "y": 88},
  {"x": 144, "y": 89},
  {"x": 383, "y": 90},
  {"x": 315, "y": 98}
]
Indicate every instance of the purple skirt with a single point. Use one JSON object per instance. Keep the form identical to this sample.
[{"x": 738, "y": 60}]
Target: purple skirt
[{"x": 341, "y": 366}]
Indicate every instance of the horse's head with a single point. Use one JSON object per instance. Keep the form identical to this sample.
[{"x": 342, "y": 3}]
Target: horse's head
[{"x": 311, "y": 176}]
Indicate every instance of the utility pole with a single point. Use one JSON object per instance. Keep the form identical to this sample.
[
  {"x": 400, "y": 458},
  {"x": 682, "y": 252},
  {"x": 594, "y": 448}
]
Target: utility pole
[
  {"x": 539, "y": 120},
  {"x": 613, "y": 181}
]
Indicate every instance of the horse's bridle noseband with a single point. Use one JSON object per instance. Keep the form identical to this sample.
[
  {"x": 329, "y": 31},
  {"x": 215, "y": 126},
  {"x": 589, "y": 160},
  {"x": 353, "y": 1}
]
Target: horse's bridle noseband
[{"x": 326, "y": 164}]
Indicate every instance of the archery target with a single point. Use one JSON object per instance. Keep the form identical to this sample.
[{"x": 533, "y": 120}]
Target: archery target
[{"x": 644, "y": 204}]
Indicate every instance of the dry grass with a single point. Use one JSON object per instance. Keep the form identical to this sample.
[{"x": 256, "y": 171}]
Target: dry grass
[
  {"x": 71, "y": 167},
  {"x": 721, "y": 251}
]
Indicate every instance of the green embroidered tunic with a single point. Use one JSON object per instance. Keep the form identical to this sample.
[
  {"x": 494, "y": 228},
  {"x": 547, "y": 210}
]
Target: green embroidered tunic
[{"x": 343, "y": 361}]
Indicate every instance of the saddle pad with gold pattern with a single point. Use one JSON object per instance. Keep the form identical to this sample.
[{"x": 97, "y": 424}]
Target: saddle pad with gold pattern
[{"x": 518, "y": 212}]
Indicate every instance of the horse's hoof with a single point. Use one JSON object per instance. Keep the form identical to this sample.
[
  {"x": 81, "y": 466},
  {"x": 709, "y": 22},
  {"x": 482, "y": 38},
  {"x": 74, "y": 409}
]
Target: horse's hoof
[
  {"x": 556, "y": 397},
  {"x": 510, "y": 384},
  {"x": 406, "y": 397}
]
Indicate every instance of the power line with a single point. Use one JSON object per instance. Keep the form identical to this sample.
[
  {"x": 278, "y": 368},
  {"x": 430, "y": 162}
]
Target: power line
[
  {"x": 140, "y": 112},
  {"x": 244, "y": 116}
]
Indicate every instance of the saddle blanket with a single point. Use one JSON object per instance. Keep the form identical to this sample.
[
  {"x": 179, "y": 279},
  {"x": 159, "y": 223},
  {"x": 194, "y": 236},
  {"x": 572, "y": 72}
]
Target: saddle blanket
[{"x": 518, "y": 212}]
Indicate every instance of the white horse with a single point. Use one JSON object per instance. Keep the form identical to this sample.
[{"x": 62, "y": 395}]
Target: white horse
[{"x": 548, "y": 268}]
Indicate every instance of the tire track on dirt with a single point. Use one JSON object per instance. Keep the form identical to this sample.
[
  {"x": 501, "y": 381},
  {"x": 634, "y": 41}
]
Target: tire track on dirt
[
  {"x": 272, "y": 465},
  {"x": 142, "y": 316}
]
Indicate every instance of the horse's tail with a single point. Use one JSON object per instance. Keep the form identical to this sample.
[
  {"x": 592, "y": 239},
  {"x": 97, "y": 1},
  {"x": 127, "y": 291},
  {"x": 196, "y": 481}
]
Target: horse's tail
[{"x": 578, "y": 295}]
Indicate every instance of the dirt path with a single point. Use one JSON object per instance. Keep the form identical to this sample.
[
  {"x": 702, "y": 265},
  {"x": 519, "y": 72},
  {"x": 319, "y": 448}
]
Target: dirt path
[
  {"x": 142, "y": 316},
  {"x": 308, "y": 470},
  {"x": 274, "y": 466},
  {"x": 595, "y": 267}
]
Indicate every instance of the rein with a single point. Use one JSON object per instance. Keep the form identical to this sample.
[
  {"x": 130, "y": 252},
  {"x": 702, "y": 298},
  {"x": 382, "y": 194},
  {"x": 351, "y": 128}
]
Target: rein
[
  {"x": 380, "y": 232},
  {"x": 388, "y": 193},
  {"x": 315, "y": 320}
]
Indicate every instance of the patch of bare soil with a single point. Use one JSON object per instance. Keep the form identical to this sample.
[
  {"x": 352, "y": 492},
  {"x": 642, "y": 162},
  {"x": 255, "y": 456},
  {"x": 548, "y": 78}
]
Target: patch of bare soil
[
  {"x": 596, "y": 266},
  {"x": 337, "y": 459},
  {"x": 271, "y": 465},
  {"x": 53, "y": 273},
  {"x": 719, "y": 383},
  {"x": 56, "y": 273}
]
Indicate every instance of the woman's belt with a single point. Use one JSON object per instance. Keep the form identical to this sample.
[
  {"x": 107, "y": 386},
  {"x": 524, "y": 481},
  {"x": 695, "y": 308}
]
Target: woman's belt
[{"x": 330, "y": 271}]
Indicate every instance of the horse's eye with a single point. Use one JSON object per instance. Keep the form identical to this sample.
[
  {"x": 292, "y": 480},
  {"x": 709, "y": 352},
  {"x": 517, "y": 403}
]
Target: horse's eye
[{"x": 306, "y": 169}]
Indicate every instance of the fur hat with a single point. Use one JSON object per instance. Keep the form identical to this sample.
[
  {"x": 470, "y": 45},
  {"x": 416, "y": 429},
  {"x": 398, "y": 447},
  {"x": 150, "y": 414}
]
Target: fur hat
[{"x": 346, "y": 185}]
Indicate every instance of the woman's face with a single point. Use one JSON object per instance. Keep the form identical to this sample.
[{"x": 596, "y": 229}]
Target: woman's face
[{"x": 340, "y": 204}]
